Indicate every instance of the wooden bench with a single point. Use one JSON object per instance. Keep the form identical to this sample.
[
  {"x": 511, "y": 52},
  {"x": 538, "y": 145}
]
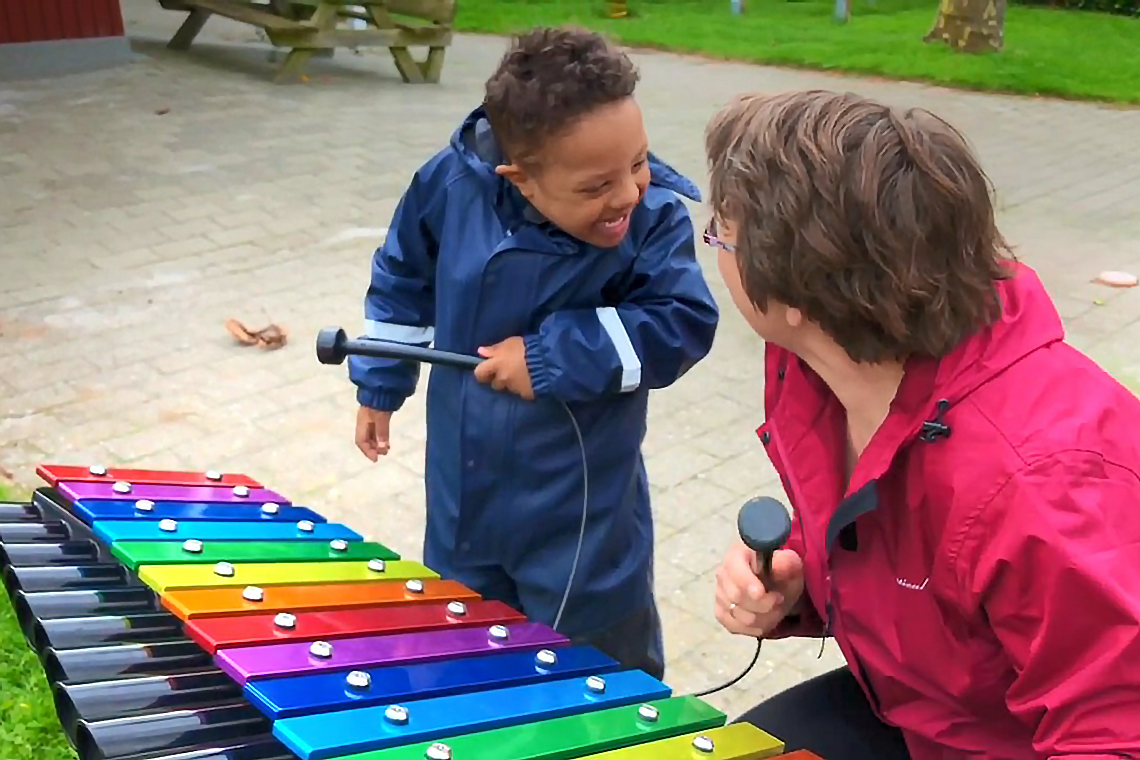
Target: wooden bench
[{"x": 309, "y": 27}]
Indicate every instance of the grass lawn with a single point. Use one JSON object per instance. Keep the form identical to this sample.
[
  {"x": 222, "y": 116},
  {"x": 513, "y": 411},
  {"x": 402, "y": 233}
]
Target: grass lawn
[
  {"x": 29, "y": 729},
  {"x": 1072, "y": 54}
]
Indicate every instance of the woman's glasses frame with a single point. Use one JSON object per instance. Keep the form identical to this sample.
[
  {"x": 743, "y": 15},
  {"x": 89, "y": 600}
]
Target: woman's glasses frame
[{"x": 712, "y": 240}]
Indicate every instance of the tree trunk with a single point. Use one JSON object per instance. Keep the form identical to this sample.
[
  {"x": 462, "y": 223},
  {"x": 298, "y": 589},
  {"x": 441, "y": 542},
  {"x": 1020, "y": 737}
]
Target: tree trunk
[{"x": 971, "y": 26}]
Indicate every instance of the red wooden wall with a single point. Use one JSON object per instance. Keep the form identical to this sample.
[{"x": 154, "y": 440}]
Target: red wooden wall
[{"x": 41, "y": 20}]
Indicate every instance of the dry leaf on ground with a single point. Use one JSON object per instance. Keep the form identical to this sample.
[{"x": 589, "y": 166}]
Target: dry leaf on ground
[
  {"x": 268, "y": 338},
  {"x": 241, "y": 333},
  {"x": 272, "y": 337}
]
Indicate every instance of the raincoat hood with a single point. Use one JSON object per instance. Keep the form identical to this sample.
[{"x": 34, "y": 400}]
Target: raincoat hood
[{"x": 474, "y": 142}]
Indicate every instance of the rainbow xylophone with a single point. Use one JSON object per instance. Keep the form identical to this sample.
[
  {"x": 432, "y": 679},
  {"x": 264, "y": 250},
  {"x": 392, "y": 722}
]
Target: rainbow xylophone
[{"x": 203, "y": 616}]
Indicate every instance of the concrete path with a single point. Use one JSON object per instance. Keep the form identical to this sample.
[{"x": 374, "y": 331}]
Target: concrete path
[{"x": 144, "y": 206}]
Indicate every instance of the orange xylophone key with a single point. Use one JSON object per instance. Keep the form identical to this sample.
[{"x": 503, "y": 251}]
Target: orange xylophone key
[{"x": 198, "y": 603}]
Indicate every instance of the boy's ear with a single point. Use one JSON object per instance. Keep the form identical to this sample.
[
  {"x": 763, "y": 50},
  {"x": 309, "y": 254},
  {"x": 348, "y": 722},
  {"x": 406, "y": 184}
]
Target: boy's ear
[{"x": 517, "y": 176}]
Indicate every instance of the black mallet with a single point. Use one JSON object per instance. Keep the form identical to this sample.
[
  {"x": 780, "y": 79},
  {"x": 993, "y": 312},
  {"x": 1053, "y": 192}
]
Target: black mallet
[
  {"x": 333, "y": 345},
  {"x": 764, "y": 527}
]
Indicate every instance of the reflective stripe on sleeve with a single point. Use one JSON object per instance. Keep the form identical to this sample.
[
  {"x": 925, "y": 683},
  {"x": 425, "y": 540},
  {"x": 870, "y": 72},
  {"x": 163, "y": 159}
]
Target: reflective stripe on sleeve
[
  {"x": 630, "y": 364},
  {"x": 398, "y": 333}
]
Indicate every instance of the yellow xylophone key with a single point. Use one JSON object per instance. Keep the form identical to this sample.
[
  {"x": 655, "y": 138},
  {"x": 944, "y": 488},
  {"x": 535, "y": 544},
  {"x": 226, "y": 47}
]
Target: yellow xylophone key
[
  {"x": 162, "y": 578},
  {"x": 739, "y": 741}
]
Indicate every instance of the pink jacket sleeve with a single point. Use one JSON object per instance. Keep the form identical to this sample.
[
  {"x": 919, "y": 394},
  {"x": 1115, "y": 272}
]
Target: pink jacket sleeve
[{"x": 1053, "y": 561}]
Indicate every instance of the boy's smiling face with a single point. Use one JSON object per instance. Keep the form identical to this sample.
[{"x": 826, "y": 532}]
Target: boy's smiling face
[{"x": 588, "y": 179}]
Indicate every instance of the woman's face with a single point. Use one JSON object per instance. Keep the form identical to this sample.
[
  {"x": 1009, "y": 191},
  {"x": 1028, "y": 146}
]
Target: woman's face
[{"x": 775, "y": 325}]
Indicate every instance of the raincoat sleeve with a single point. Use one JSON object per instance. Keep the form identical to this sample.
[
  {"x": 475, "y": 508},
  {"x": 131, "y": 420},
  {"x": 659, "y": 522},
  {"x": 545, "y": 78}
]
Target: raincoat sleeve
[
  {"x": 1052, "y": 562},
  {"x": 662, "y": 326},
  {"x": 400, "y": 301}
]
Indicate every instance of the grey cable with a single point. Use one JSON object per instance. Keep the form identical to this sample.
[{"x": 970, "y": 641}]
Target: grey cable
[
  {"x": 578, "y": 552},
  {"x": 585, "y": 507}
]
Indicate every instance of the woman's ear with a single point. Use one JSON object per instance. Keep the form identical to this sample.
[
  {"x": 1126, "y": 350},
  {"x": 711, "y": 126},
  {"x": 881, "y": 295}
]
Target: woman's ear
[{"x": 794, "y": 317}]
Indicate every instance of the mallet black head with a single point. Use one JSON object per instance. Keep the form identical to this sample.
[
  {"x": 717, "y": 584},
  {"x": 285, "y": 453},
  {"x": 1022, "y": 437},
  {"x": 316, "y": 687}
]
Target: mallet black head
[
  {"x": 764, "y": 525},
  {"x": 330, "y": 345}
]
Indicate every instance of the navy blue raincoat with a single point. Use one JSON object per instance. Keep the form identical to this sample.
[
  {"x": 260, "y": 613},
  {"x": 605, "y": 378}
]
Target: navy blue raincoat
[{"x": 467, "y": 262}]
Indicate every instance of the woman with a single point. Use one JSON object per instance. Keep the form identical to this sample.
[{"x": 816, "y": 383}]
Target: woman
[{"x": 964, "y": 484}]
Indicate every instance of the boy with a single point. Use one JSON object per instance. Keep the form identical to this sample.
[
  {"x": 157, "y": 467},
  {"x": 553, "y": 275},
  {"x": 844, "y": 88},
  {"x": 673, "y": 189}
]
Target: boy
[
  {"x": 548, "y": 239},
  {"x": 965, "y": 485}
]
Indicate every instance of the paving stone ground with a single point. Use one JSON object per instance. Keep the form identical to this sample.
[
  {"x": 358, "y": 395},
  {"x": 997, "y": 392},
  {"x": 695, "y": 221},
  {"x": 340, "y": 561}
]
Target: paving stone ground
[{"x": 144, "y": 206}]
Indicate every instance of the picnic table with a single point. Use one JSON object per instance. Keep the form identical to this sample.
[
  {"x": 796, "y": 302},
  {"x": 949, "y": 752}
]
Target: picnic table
[{"x": 309, "y": 27}]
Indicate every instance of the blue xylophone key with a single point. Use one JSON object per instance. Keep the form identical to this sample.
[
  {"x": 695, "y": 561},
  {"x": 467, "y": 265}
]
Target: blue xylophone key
[
  {"x": 291, "y": 696},
  {"x": 328, "y": 735},
  {"x": 110, "y": 531},
  {"x": 90, "y": 511}
]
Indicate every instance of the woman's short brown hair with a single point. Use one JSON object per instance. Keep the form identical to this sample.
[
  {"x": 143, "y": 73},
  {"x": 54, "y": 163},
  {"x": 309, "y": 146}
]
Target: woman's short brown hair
[{"x": 879, "y": 226}]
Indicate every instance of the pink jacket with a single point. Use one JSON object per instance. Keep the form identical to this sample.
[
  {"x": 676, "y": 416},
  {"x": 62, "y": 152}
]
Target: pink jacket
[{"x": 981, "y": 574}]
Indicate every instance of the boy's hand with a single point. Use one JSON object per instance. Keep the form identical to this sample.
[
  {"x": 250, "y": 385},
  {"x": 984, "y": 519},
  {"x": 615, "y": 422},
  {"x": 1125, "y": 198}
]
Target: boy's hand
[
  {"x": 505, "y": 367},
  {"x": 372, "y": 432},
  {"x": 743, "y": 605}
]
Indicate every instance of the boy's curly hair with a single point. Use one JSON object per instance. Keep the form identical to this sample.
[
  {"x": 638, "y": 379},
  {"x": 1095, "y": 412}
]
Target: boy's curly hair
[
  {"x": 878, "y": 225},
  {"x": 547, "y": 80}
]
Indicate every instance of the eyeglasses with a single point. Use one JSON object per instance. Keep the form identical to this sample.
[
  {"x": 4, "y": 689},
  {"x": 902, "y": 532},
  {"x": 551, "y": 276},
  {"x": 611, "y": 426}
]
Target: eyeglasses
[{"x": 712, "y": 240}]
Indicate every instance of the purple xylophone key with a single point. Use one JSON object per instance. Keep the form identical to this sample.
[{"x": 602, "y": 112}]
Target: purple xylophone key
[
  {"x": 123, "y": 490},
  {"x": 249, "y": 663}
]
